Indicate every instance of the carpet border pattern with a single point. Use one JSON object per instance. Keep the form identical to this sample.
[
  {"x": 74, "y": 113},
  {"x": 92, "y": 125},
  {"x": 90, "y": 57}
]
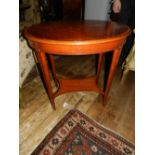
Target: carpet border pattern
[{"x": 71, "y": 120}]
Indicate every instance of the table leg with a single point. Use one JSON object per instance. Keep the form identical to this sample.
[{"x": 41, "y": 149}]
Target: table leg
[
  {"x": 54, "y": 69},
  {"x": 46, "y": 76},
  {"x": 108, "y": 58},
  {"x": 113, "y": 66},
  {"x": 99, "y": 67}
]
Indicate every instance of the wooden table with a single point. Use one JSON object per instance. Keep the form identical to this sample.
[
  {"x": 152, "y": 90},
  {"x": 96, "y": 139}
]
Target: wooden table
[{"x": 76, "y": 38}]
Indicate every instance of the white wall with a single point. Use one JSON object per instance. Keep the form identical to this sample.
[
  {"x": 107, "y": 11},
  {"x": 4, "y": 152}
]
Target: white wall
[{"x": 97, "y": 9}]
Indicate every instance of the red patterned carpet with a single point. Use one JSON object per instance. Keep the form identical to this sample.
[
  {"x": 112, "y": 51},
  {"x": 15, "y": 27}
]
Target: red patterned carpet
[{"x": 76, "y": 134}]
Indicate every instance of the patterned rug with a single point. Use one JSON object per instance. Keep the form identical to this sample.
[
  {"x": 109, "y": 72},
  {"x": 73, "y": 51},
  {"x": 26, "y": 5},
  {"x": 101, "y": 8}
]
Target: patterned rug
[{"x": 76, "y": 134}]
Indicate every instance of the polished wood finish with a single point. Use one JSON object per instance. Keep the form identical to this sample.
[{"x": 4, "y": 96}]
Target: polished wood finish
[
  {"x": 44, "y": 67},
  {"x": 99, "y": 67},
  {"x": 113, "y": 66},
  {"x": 38, "y": 118},
  {"x": 51, "y": 57},
  {"x": 77, "y": 38}
]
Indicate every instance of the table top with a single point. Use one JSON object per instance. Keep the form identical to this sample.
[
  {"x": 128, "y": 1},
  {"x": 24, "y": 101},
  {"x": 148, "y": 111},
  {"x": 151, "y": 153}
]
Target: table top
[{"x": 76, "y": 32}]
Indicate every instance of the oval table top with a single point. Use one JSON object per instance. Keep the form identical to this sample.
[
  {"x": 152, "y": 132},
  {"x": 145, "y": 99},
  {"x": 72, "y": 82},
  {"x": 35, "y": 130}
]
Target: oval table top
[{"x": 77, "y": 32}]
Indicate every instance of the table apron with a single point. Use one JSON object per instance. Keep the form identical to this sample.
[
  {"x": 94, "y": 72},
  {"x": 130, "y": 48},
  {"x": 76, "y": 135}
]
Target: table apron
[{"x": 83, "y": 49}]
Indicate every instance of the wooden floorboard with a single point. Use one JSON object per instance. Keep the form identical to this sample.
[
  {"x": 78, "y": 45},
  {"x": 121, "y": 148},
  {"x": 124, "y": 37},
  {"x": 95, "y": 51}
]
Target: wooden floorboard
[{"x": 38, "y": 118}]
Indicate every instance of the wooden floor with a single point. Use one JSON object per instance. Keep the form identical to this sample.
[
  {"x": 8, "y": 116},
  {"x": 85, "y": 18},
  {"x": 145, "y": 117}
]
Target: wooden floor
[{"x": 38, "y": 118}]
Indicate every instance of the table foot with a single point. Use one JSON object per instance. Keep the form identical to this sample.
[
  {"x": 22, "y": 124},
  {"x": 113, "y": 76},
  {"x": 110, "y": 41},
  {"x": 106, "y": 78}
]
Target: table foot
[
  {"x": 104, "y": 100},
  {"x": 52, "y": 103}
]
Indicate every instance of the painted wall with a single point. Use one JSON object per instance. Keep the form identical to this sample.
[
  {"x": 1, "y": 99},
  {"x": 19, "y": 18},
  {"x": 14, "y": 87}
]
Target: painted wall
[{"x": 97, "y": 9}]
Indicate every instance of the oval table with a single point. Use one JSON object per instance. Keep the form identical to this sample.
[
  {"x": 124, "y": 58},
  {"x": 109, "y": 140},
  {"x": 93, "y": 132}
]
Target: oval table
[{"x": 76, "y": 38}]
